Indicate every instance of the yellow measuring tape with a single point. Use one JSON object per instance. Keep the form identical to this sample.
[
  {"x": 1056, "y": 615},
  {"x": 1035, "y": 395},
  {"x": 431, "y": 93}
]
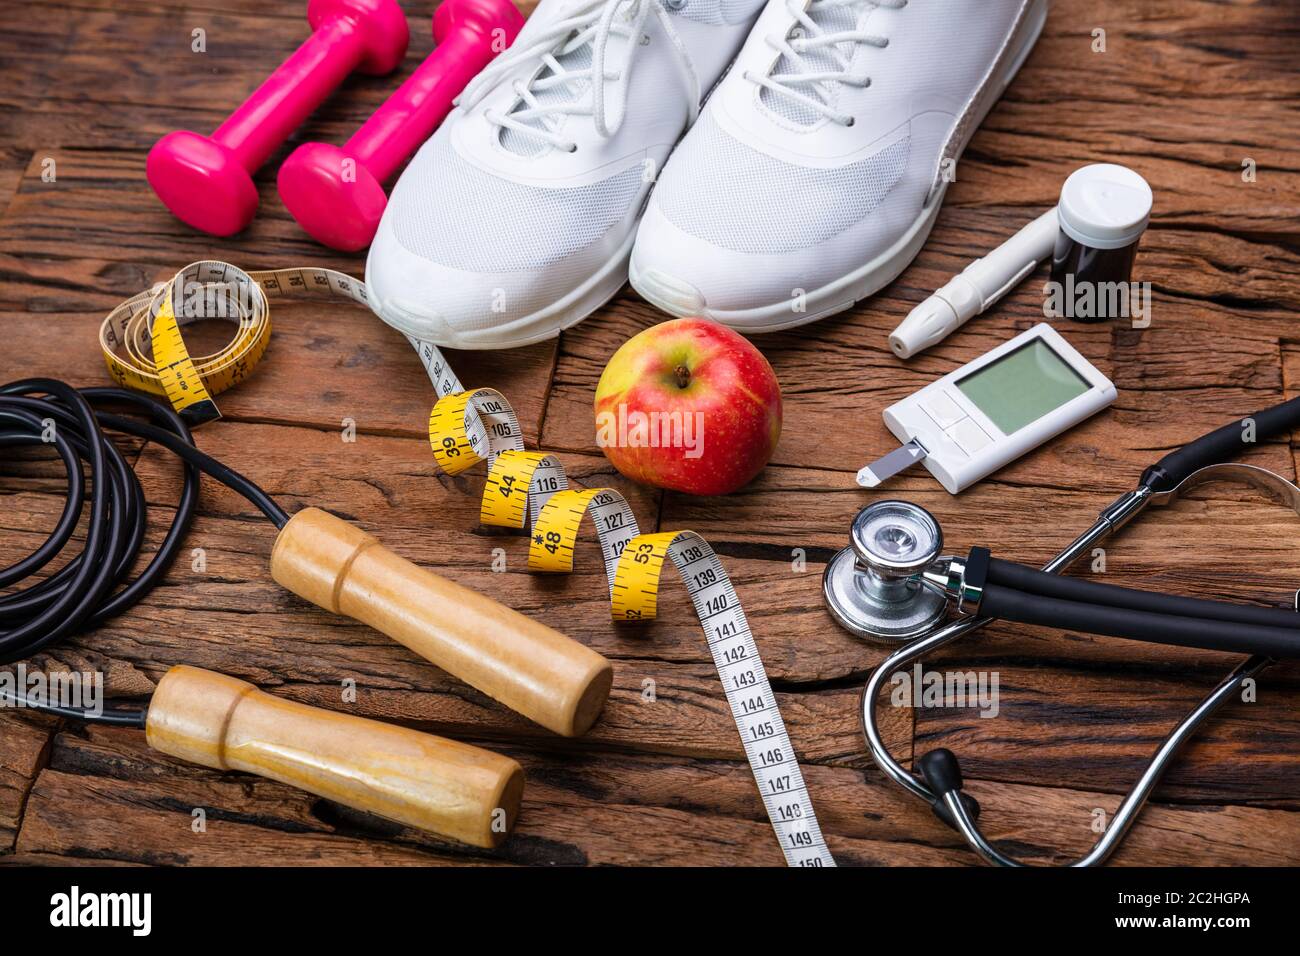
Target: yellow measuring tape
[
  {"x": 524, "y": 490},
  {"x": 530, "y": 488},
  {"x": 142, "y": 343}
]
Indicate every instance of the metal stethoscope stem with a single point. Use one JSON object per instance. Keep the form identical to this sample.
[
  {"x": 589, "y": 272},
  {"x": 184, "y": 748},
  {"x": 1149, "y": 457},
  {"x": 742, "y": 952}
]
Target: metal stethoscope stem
[{"x": 1114, "y": 517}]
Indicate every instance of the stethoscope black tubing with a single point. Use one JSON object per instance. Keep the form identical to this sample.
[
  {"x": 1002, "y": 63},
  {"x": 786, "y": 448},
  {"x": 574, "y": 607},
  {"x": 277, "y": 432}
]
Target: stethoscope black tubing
[
  {"x": 1223, "y": 444},
  {"x": 1035, "y": 581},
  {"x": 1027, "y": 595},
  {"x": 80, "y": 594},
  {"x": 1022, "y": 607}
]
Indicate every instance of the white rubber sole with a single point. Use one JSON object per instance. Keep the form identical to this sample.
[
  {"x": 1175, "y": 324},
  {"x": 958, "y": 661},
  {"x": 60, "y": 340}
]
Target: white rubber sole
[
  {"x": 530, "y": 329},
  {"x": 820, "y": 303},
  {"x": 843, "y": 293}
]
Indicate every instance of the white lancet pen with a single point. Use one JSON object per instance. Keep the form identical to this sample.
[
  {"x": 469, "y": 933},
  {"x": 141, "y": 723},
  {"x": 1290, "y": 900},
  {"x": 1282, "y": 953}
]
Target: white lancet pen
[{"x": 976, "y": 287}]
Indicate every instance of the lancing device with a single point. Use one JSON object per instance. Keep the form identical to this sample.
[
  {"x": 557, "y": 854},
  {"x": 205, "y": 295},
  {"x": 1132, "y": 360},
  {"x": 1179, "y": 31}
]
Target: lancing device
[{"x": 976, "y": 288}]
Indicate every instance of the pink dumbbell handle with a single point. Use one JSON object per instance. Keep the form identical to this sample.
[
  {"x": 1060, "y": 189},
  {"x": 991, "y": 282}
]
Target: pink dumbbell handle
[
  {"x": 410, "y": 115},
  {"x": 289, "y": 95}
]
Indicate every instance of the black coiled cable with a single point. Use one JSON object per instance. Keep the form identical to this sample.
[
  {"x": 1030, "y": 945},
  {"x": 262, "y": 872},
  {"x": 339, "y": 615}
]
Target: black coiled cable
[{"x": 95, "y": 584}]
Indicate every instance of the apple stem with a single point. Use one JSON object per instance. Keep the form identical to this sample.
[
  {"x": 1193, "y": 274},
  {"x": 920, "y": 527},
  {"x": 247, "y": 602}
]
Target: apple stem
[{"x": 683, "y": 376}]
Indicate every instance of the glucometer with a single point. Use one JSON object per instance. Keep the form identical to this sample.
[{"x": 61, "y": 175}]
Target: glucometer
[{"x": 991, "y": 411}]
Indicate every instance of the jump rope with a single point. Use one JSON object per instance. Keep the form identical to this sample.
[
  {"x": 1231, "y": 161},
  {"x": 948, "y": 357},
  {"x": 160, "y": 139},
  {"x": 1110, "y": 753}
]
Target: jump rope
[
  {"x": 536, "y": 671},
  {"x": 80, "y": 595}
]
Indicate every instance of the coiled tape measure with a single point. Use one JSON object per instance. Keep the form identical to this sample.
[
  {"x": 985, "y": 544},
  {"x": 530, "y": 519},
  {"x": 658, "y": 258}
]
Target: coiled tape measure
[{"x": 144, "y": 349}]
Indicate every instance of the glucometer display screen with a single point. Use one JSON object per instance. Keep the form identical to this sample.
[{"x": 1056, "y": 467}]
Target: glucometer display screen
[{"x": 1023, "y": 386}]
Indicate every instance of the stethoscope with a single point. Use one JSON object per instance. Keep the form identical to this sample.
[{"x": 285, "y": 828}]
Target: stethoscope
[{"x": 892, "y": 586}]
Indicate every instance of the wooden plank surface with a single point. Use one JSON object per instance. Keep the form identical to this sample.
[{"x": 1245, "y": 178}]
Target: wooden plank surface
[{"x": 1186, "y": 91}]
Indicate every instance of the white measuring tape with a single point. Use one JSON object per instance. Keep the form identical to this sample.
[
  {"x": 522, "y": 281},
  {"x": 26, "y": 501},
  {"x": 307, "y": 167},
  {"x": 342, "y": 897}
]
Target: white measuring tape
[{"x": 524, "y": 489}]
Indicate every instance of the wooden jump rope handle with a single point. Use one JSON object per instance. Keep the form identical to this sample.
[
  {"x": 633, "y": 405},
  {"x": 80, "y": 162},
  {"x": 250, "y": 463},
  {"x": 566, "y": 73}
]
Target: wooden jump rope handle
[
  {"x": 449, "y": 788},
  {"x": 522, "y": 663}
]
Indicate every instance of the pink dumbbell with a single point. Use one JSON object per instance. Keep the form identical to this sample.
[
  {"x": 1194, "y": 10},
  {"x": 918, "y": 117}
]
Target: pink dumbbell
[
  {"x": 337, "y": 194},
  {"x": 207, "y": 180}
]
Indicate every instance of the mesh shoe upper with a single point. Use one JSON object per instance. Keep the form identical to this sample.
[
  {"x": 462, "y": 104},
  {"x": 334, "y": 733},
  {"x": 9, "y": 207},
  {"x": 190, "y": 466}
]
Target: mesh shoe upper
[
  {"x": 717, "y": 12},
  {"x": 499, "y": 225},
  {"x": 718, "y": 189},
  {"x": 832, "y": 19}
]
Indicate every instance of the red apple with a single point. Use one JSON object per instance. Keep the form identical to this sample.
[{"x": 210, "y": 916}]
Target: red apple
[{"x": 688, "y": 405}]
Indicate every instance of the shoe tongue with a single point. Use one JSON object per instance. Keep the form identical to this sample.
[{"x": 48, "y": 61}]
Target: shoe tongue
[
  {"x": 522, "y": 144},
  {"x": 830, "y": 19}
]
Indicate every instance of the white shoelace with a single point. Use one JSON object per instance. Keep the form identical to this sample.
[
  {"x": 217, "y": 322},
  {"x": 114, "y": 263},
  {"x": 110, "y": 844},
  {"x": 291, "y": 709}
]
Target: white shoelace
[
  {"x": 809, "y": 37},
  {"x": 592, "y": 22}
]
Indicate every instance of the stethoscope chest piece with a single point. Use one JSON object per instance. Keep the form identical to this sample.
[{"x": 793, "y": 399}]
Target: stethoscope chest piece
[{"x": 872, "y": 588}]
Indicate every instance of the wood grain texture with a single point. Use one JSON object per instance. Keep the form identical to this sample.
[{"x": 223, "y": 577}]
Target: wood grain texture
[
  {"x": 1186, "y": 92},
  {"x": 24, "y": 745}
]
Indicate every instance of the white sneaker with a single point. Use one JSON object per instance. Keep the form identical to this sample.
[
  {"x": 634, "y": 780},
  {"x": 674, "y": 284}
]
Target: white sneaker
[
  {"x": 516, "y": 219},
  {"x": 818, "y": 167}
]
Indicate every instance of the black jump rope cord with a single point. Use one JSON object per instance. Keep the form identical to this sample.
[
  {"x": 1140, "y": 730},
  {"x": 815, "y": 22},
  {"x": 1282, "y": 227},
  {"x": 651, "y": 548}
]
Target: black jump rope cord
[{"x": 81, "y": 594}]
